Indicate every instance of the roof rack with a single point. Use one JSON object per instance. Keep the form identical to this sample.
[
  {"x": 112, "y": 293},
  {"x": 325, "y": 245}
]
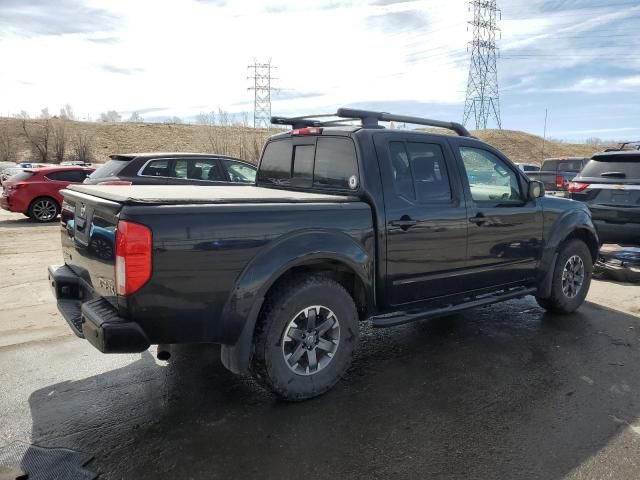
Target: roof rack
[
  {"x": 368, "y": 118},
  {"x": 623, "y": 146}
]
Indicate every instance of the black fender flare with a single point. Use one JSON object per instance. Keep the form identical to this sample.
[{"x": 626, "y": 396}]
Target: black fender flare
[
  {"x": 577, "y": 223},
  {"x": 241, "y": 310}
]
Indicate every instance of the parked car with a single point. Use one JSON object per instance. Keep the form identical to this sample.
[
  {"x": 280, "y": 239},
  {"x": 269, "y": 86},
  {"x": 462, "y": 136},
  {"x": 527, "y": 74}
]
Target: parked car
[
  {"x": 346, "y": 223},
  {"x": 5, "y": 165},
  {"x": 36, "y": 192},
  {"x": 528, "y": 167},
  {"x": 9, "y": 172},
  {"x": 173, "y": 169},
  {"x": 556, "y": 173},
  {"x": 76, "y": 163},
  {"x": 610, "y": 186}
]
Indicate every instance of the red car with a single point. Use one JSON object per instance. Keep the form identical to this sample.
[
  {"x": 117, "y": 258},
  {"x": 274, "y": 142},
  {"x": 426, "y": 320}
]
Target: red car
[{"x": 36, "y": 192}]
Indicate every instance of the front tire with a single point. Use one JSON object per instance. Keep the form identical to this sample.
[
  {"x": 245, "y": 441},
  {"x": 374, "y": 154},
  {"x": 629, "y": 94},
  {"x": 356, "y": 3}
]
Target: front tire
[
  {"x": 571, "y": 278},
  {"x": 44, "y": 209},
  {"x": 305, "y": 338}
]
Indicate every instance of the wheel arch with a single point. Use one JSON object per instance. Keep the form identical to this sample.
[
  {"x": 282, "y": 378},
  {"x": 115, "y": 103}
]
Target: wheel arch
[
  {"x": 574, "y": 224},
  {"x": 331, "y": 254}
]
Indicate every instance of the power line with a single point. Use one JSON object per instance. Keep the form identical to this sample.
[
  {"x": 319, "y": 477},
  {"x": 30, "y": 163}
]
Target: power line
[
  {"x": 262, "y": 89},
  {"x": 482, "y": 101}
]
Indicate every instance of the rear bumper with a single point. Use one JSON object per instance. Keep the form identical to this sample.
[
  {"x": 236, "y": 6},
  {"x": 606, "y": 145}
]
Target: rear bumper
[
  {"x": 618, "y": 232},
  {"x": 94, "y": 318}
]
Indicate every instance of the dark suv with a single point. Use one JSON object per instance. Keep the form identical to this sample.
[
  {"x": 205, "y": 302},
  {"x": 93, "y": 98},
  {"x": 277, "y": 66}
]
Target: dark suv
[
  {"x": 173, "y": 169},
  {"x": 610, "y": 185}
]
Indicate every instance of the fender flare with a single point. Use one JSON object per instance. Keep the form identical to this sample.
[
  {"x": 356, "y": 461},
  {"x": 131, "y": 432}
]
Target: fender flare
[
  {"x": 571, "y": 222},
  {"x": 241, "y": 310}
]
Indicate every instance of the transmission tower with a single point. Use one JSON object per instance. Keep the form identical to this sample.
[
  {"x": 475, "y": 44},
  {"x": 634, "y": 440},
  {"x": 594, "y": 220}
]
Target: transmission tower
[
  {"x": 261, "y": 93},
  {"x": 483, "y": 102}
]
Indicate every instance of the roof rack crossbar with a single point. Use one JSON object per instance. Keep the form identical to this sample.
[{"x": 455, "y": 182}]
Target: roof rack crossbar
[
  {"x": 371, "y": 117},
  {"x": 368, "y": 118}
]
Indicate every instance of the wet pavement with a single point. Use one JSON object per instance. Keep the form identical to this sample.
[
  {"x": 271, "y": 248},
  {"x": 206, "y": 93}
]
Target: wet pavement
[{"x": 501, "y": 392}]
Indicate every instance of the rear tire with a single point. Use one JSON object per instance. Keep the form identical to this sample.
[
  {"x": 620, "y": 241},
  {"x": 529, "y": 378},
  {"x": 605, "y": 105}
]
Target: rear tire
[
  {"x": 571, "y": 278},
  {"x": 305, "y": 337},
  {"x": 44, "y": 209}
]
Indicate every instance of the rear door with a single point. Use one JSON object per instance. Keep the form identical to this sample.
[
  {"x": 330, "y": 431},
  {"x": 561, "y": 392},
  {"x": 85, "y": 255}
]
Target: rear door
[
  {"x": 426, "y": 219},
  {"x": 505, "y": 228}
]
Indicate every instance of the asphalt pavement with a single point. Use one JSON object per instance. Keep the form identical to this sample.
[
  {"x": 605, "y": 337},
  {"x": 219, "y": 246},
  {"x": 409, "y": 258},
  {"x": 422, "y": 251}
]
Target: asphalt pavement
[{"x": 502, "y": 392}]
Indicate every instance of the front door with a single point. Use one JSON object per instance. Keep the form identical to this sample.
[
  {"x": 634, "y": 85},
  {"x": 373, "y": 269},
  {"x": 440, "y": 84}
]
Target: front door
[
  {"x": 505, "y": 227},
  {"x": 426, "y": 218}
]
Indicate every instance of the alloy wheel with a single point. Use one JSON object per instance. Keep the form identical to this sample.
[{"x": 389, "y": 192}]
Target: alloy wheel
[
  {"x": 572, "y": 276},
  {"x": 44, "y": 210},
  {"x": 310, "y": 340}
]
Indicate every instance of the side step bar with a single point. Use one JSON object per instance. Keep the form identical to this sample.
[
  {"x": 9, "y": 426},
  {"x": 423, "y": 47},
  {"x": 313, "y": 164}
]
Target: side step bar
[{"x": 400, "y": 318}]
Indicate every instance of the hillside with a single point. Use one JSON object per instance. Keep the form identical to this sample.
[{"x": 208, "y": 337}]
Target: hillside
[{"x": 109, "y": 138}]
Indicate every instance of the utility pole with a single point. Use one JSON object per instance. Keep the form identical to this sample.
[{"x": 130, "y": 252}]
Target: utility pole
[
  {"x": 483, "y": 102},
  {"x": 261, "y": 93},
  {"x": 544, "y": 135}
]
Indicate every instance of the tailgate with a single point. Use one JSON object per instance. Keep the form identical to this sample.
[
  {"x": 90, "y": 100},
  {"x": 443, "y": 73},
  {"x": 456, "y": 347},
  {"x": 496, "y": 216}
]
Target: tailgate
[{"x": 88, "y": 241}]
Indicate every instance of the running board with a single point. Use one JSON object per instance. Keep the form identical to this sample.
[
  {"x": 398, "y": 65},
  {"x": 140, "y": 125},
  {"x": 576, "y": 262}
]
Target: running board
[{"x": 400, "y": 318}]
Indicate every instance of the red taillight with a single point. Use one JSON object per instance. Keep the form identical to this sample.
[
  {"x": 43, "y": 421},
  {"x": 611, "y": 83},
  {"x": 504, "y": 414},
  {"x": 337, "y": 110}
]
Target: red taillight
[
  {"x": 133, "y": 257},
  {"x": 575, "y": 187},
  {"x": 559, "y": 181},
  {"x": 307, "y": 131},
  {"x": 114, "y": 182}
]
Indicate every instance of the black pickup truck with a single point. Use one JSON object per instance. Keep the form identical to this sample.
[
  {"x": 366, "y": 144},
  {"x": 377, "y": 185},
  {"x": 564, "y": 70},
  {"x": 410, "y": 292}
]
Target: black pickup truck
[{"x": 345, "y": 224}]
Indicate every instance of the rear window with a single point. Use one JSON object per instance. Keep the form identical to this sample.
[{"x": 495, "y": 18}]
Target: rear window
[
  {"x": 325, "y": 162},
  {"x": 74, "y": 176},
  {"x": 562, "y": 165},
  {"x": 21, "y": 177},
  {"x": 601, "y": 166},
  {"x": 109, "y": 169}
]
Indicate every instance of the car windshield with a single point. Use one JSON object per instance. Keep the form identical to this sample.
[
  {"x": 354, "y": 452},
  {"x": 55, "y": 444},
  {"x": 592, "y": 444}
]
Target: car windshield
[
  {"x": 617, "y": 166},
  {"x": 109, "y": 169}
]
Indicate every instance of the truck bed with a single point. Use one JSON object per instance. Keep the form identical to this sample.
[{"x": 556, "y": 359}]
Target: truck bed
[{"x": 191, "y": 194}]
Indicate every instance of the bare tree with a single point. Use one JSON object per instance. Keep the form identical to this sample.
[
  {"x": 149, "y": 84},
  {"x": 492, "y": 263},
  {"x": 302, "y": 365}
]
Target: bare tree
[
  {"x": 7, "y": 147},
  {"x": 82, "y": 147},
  {"x": 67, "y": 113},
  {"x": 203, "y": 119},
  {"x": 44, "y": 113},
  {"x": 22, "y": 115},
  {"x": 110, "y": 116},
  {"x": 223, "y": 117},
  {"x": 135, "y": 118},
  {"x": 39, "y": 139},
  {"x": 174, "y": 119},
  {"x": 59, "y": 140}
]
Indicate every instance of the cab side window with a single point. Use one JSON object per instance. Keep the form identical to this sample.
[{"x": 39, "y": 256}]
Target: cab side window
[
  {"x": 420, "y": 172},
  {"x": 490, "y": 179}
]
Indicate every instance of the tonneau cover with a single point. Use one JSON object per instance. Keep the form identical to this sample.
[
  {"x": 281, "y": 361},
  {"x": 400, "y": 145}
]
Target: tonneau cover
[{"x": 192, "y": 194}]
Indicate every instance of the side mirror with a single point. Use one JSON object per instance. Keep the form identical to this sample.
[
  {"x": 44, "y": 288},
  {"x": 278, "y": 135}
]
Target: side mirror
[{"x": 536, "y": 189}]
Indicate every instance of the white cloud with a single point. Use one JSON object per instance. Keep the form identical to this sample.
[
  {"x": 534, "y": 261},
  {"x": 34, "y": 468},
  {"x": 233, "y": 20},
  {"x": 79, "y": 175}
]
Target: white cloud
[{"x": 190, "y": 55}]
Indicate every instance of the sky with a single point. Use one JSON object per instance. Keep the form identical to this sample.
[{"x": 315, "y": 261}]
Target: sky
[{"x": 578, "y": 59}]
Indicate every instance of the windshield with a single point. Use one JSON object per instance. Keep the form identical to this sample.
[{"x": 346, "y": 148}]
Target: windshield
[
  {"x": 626, "y": 167},
  {"x": 109, "y": 169}
]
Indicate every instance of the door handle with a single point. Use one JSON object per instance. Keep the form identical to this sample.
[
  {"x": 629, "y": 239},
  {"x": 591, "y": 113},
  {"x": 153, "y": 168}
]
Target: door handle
[
  {"x": 404, "y": 223},
  {"x": 479, "y": 219}
]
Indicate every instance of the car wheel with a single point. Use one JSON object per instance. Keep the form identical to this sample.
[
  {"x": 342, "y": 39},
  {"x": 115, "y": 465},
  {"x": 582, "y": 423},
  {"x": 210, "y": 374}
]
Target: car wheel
[
  {"x": 305, "y": 338},
  {"x": 44, "y": 209},
  {"x": 571, "y": 278}
]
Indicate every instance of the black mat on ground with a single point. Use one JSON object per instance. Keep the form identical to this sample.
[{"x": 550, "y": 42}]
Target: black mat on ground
[{"x": 24, "y": 461}]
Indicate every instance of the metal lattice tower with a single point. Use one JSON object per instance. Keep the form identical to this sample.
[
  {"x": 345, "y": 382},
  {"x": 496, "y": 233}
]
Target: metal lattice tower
[
  {"x": 261, "y": 93},
  {"x": 483, "y": 101}
]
